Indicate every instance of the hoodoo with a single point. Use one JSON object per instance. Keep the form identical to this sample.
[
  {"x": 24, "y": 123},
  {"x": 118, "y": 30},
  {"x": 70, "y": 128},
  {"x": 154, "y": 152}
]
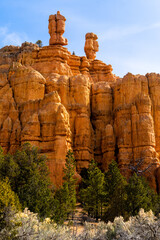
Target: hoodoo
[
  {"x": 58, "y": 101},
  {"x": 56, "y": 28}
]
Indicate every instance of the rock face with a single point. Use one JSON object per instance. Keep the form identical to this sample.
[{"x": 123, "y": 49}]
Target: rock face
[
  {"x": 24, "y": 81},
  {"x": 58, "y": 101},
  {"x": 134, "y": 125}
]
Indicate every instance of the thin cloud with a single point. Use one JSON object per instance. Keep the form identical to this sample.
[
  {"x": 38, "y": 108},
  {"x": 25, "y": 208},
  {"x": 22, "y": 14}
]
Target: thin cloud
[
  {"x": 11, "y": 38},
  {"x": 3, "y": 31},
  {"x": 120, "y": 32}
]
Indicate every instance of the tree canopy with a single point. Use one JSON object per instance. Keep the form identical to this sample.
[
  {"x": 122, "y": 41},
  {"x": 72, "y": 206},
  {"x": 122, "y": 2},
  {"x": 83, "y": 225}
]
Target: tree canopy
[
  {"x": 140, "y": 195},
  {"x": 115, "y": 188},
  {"x": 92, "y": 196},
  {"x": 39, "y": 43},
  {"x": 28, "y": 174},
  {"x": 103, "y": 195},
  {"x": 109, "y": 195},
  {"x": 65, "y": 196}
]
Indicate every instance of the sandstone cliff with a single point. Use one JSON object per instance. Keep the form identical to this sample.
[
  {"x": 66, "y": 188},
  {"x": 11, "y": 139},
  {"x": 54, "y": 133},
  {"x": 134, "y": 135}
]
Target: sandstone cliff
[{"x": 59, "y": 101}]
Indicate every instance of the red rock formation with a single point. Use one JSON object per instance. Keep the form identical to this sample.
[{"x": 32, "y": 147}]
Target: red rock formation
[
  {"x": 91, "y": 45},
  {"x": 101, "y": 118},
  {"x": 59, "y": 101},
  {"x": 24, "y": 80},
  {"x": 56, "y": 29},
  {"x": 51, "y": 59}
]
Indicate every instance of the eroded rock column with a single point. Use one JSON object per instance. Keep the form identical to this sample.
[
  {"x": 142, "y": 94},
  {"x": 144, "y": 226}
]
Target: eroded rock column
[
  {"x": 56, "y": 29},
  {"x": 134, "y": 127},
  {"x": 101, "y": 119},
  {"x": 91, "y": 45}
]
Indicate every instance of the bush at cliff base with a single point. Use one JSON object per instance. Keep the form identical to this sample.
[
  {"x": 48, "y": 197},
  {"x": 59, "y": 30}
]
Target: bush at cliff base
[
  {"x": 9, "y": 203},
  {"x": 26, "y": 225}
]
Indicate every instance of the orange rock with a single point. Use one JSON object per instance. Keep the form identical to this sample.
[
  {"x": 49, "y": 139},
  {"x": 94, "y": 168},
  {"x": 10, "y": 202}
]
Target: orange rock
[
  {"x": 108, "y": 146},
  {"x": 5, "y": 133},
  {"x": 100, "y": 72},
  {"x": 51, "y": 59},
  {"x": 84, "y": 67},
  {"x": 58, "y": 101},
  {"x": 78, "y": 107},
  {"x": 91, "y": 45},
  {"x": 101, "y": 113},
  {"x": 27, "y": 84},
  {"x": 74, "y": 63},
  {"x": 8, "y": 54},
  {"x": 56, "y": 29},
  {"x": 45, "y": 123},
  {"x": 134, "y": 126},
  {"x": 15, "y": 138}
]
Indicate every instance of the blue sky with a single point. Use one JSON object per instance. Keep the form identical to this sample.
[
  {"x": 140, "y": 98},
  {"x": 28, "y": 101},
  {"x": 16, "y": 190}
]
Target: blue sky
[{"x": 128, "y": 30}]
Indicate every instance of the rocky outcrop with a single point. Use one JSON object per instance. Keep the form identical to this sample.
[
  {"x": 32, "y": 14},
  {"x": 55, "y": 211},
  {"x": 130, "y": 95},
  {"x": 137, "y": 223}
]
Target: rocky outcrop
[
  {"x": 78, "y": 107},
  {"x": 10, "y": 54},
  {"x": 45, "y": 123},
  {"x": 26, "y": 83},
  {"x": 56, "y": 29},
  {"x": 134, "y": 126},
  {"x": 101, "y": 117},
  {"x": 91, "y": 45},
  {"x": 58, "y": 101},
  {"x": 51, "y": 59}
]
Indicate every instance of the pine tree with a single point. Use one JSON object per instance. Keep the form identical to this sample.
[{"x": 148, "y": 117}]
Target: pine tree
[
  {"x": 65, "y": 196},
  {"x": 28, "y": 174},
  {"x": 39, "y": 43},
  {"x": 140, "y": 195},
  {"x": 8, "y": 167},
  {"x": 60, "y": 210},
  {"x": 92, "y": 196},
  {"x": 115, "y": 188},
  {"x": 69, "y": 184}
]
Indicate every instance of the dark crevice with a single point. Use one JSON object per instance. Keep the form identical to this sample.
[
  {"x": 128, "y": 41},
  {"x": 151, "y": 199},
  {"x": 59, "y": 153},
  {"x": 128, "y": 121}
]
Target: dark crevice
[
  {"x": 157, "y": 184},
  {"x": 116, "y": 151}
]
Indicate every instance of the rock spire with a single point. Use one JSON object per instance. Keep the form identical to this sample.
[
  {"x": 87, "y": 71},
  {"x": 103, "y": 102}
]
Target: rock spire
[
  {"x": 56, "y": 29},
  {"x": 91, "y": 45}
]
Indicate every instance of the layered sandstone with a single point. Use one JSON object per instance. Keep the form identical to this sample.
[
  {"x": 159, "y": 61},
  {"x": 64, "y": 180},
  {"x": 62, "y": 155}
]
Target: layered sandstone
[{"x": 58, "y": 101}]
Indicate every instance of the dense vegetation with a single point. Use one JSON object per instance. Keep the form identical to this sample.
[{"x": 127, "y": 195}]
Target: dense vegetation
[
  {"x": 25, "y": 184},
  {"x": 28, "y": 178},
  {"x": 8, "y": 202},
  {"x": 108, "y": 195}
]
